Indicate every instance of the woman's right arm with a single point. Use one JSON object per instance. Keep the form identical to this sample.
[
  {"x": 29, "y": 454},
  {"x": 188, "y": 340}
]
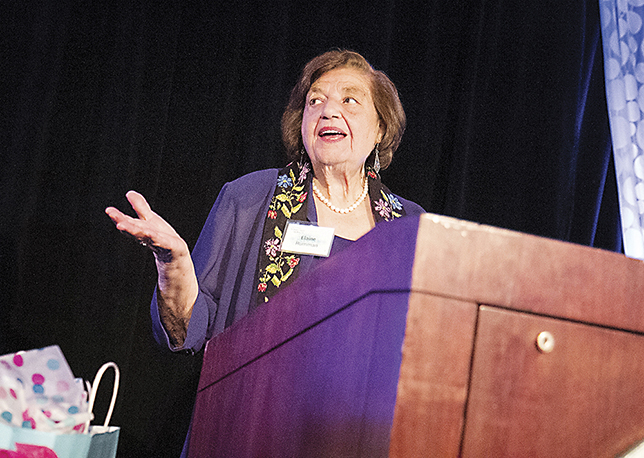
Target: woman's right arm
[{"x": 177, "y": 282}]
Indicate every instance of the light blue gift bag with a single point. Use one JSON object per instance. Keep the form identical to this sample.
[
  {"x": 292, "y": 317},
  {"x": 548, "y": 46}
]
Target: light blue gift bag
[
  {"x": 105, "y": 438},
  {"x": 65, "y": 445},
  {"x": 95, "y": 442},
  {"x": 101, "y": 442}
]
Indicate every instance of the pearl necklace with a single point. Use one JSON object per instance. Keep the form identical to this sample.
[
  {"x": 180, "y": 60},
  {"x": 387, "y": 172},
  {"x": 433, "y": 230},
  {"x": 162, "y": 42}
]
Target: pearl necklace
[{"x": 343, "y": 211}]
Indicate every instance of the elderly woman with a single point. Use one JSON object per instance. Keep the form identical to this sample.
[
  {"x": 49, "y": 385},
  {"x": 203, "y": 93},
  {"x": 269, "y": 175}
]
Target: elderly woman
[{"x": 343, "y": 122}]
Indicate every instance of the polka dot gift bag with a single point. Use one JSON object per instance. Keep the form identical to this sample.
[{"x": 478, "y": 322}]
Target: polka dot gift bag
[{"x": 42, "y": 404}]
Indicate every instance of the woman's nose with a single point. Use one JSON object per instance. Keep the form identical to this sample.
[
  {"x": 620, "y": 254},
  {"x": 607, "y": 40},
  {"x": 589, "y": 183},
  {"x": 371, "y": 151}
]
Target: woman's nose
[{"x": 330, "y": 110}]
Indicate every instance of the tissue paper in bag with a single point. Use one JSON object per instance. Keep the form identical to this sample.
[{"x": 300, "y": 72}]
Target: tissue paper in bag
[
  {"x": 39, "y": 391},
  {"x": 41, "y": 403}
]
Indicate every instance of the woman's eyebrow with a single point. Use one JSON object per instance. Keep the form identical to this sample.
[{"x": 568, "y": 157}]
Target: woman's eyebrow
[
  {"x": 350, "y": 89},
  {"x": 314, "y": 90},
  {"x": 353, "y": 90}
]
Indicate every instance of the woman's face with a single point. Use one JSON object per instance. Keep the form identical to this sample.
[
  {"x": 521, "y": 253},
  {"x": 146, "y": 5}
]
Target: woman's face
[{"x": 340, "y": 125}]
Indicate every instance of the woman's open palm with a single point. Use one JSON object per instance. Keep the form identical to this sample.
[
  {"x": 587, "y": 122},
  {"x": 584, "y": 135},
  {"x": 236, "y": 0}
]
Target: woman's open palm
[{"x": 149, "y": 228}]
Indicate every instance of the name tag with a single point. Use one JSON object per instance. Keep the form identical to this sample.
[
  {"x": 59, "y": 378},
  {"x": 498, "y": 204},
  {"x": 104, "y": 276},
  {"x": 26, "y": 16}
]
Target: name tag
[{"x": 307, "y": 238}]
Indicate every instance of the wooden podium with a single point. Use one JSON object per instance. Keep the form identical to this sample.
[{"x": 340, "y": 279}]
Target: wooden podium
[{"x": 435, "y": 337}]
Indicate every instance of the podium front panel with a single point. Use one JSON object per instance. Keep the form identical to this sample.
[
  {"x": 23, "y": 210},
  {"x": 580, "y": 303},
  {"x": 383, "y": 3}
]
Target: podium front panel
[{"x": 584, "y": 397}]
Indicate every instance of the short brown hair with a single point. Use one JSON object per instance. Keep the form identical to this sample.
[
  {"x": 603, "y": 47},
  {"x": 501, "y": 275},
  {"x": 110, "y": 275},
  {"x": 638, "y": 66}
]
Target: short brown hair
[{"x": 384, "y": 94}]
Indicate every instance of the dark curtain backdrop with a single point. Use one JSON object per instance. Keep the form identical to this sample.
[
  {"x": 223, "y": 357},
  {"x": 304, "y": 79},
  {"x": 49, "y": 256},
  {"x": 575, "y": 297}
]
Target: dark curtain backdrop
[{"x": 507, "y": 125}]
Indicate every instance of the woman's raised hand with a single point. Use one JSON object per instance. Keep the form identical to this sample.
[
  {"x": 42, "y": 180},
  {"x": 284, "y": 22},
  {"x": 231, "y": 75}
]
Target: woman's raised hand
[
  {"x": 177, "y": 283},
  {"x": 149, "y": 229}
]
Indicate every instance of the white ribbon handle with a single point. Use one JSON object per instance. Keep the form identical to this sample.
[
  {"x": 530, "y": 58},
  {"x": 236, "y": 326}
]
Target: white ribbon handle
[{"x": 94, "y": 389}]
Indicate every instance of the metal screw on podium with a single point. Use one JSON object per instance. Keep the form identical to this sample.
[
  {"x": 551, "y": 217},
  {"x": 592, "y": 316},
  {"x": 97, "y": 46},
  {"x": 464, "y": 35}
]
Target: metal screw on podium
[{"x": 545, "y": 342}]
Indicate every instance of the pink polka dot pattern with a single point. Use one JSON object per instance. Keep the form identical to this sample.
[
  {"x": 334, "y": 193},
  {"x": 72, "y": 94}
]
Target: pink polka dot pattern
[
  {"x": 17, "y": 360},
  {"x": 39, "y": 391}
]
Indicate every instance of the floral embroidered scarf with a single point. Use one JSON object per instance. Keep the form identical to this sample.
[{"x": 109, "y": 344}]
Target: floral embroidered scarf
[{"x": 275, "y": 269}]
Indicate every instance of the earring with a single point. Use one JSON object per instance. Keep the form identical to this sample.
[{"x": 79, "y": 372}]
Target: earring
[{"x": 376, "y": 160}]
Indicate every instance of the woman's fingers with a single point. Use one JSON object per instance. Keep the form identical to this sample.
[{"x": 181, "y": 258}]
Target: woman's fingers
[
  {"x": 123, "y": 222},
  {"x": 149, "y": 228},
  {"x": 116, "y": 215},
  {"x": 140, "y": 205}
]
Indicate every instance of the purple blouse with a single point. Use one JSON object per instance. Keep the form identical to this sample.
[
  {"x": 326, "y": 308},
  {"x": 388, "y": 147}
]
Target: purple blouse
[{"x": 226, "y": 254}]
